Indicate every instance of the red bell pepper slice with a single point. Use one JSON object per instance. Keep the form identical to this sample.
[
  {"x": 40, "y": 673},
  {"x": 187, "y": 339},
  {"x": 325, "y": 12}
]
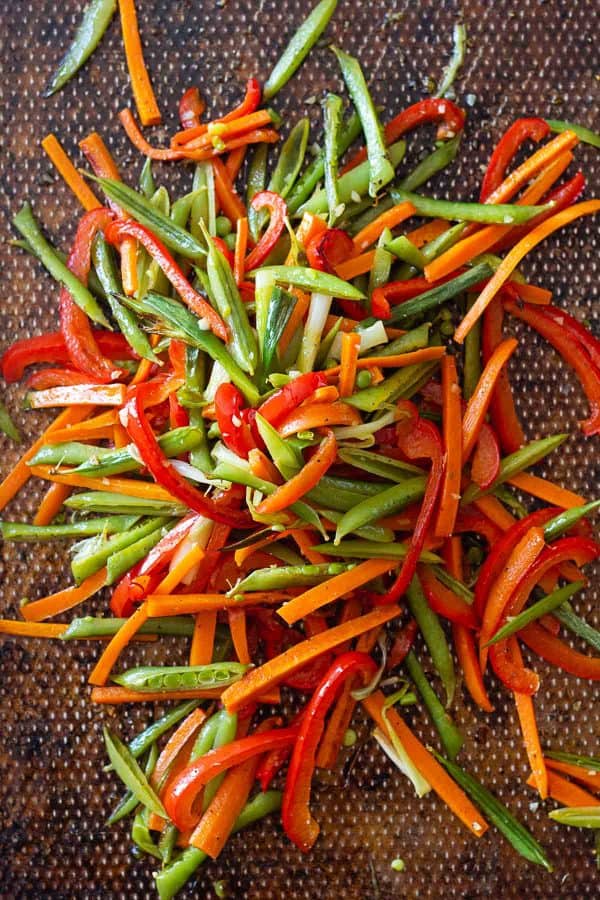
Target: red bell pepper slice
[
  {"x": 402, "y": 645},
  {"x": 328, "y": 249},
  {"x": 445, "y": 602},
  {"x": 284, "y": 401},
  {"x": 131, "y": 590},
  {"x": 586, "y": 340},
  {"x": 278, "y": 212},
  {"x": 559, "y": 654},
  {"x": 485, "y": 464},
  {"x": 570, "y": 350},
  {"x": 161, "y": 468},
  {"x": 470, "y": 519},
  {"x": 502, "y": 408},
  {"x": 233, "y": 424},
  {"x": 249, "y": 104},
  {"x": 272, "y": 762},
  {"x": 51, "y": 348},
  {"x": 378, "y": 306},
  {"x": 178, "y": 414},
  {"x": 297, "y": 820},
  {"x": 506, "y": 148},
  {"x": 510, "y": 670},
  {"x": 191, "y": 108},
  {"x": 418, "y": 439},
  {"x": 49, "y": 378},
  {"x": 122, "y": 228},
  {"x": 181, "y": 796},
  {"x": 227, "y": 253}
]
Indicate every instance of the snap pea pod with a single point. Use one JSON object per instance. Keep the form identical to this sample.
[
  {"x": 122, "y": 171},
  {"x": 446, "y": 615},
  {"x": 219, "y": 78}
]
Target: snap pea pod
[
  {"x": 111, "y": 502},
  {"x": 120, "y": 562},
  {"x": 93, "y": 281},
  {"x": 173, "y": 443},
  {"x": 567, "y": 519},
  {"x": 205, "y": 738},
  {"x": 332, "y": 120},
  {"x": 90, "y": 627},
  {"x": 173, "y": 877},
  {"x": 7, "y": 426},
  {"x": 437, "y": 160},
  {"x": 256, "y": 181},
  {"x": 312, "y": 280},
  {"x": 173, "y": 236},
  {"x": 141, "y": 835},
  {"x": 182, "y": 208},
  {"x": 403, "y": 383},
  {"x": 278, "y": 577},
  {"x": 542, "y": 607},
  {"x": 95, "y": 21},
  {"x": 381, "y": 505},
  {"x": 380, "y": 166},
  {"x": 520, "y": 838},
  {"x": 382, "y": 263},
  {"x": 336, "y": 497},
  {"x": 586, "y": 762},
  {"x": 584, "y": 134},
  {"x": 286, "y": 458},
  {"x": 456, "y": 60},
  {"x": 487, "y": 213},
  {"x": 180, "y": 678},
  {"x": 71, "y": 453},
  {"x": 451, "y": 738},
  {"x": 352, "y": 183},
  {"x": 578, "y": 816},
  {"x": 406, "y": 251},
  {"x": 85, "y": 563},
  {"x": 361, "y": 549},
  {"x": 290, "y": 160},
  {"x": 279, "y": 310},
  {"x": 25, "y": 223},
  {"x": 299, "y": 46},
  {"x": 167, "y": 842},
  {"x": 334, "y": 483},
  {"x": 22, "y": 531},
  {"x": 129, "y": 802},
  {"x": 146, "y": 182},
  {"x": 436, "y": 296},
  {"x": 204, "y": 206},
  {"x": 314, "y": 173},
  {"x": 434, "y": 248},
  {"x": 472, "y": 358},
  {"x": 378, "y": 464},
  {"x": 516, "y": 462},
  {"x": 434, "y": 637},
  {"x": 569, "y": 618},
  {"x": 128, "y": 770},
  {"x": 416, "y": 339},
  {"x": 369, "y": 532}
]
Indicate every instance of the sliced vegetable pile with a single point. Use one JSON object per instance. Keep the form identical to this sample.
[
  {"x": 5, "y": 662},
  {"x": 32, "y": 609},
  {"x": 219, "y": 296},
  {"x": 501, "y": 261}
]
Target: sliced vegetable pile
[{"x": 288, "y": 434}]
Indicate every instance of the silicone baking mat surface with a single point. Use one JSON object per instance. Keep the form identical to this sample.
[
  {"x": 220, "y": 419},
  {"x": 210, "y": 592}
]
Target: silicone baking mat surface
[{"x": 529, "y": 57}]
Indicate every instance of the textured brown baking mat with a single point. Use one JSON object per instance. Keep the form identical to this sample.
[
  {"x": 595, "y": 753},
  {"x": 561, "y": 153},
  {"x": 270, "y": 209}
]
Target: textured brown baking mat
[{"x": 529, "y": 57}]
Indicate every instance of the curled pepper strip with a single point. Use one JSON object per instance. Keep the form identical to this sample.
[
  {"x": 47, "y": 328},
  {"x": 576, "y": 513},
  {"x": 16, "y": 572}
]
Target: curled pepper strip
[
  {"x": 191, "y": 108},
  {"x": 161, "y": 468},
  {"x": 325, "y": 251},
  {"x": 121, "y": 229},
  {"x": 51, "y": 348},
  {"x": 278, "y": 212},
  {"x": 520, "y": 131},
  {"x": 298, "y": 822},
  {"x": 290, "y": 396},
  {"x": 559, "y": 654},
  {"x": 445, "y": 602},
  {"x": 510, "y": 669},
  {"x": 232, "y": 420}
]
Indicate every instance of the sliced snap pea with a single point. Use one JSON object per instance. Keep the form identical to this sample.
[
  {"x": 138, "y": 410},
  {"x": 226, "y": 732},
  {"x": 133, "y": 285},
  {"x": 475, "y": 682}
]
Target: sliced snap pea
[
  {"x": 22, "y": 531},
  {"x": 434, "y": 297},
  {"x": 256, "y": 181},
  {"x": 381, "y": 505},
  {"x": 290, "y": 159},
  {"x": 313, "y": 280},
  {"x": 278, "y": 577},
  {"x": 378, "y": 464},
  {"x": 90, "y": 627},
  {"x": 332, "y": 120},
  {"x": 180, "y": 678},
  {"x": 535, "y": 611},
  {"x": 113, "y": 462},
  {"x": 403, "y": 383},
  {"x": 362, "y": 549},
  {"x": 126, "y": 767},
  {"x": 7, "y": 426},
  {"x": 487, "y": 213},
  {"x": 120, "y": 562},
  {"x": 84, "y": 564},
  {"x": 567, "y": 519},
  {"x": 146, "y": 181},
  {"x": 416, "y": 339},
  {"x": 434, "y": 637},
  {"x": 96, "y": 19},
  {"x": 569, "y": 618},
  {"x": 584, "y": 134},
  {"x": 437, "y": 160},
  {"x": 456, "y": 60},
  {"x": 111, "y": 502}
]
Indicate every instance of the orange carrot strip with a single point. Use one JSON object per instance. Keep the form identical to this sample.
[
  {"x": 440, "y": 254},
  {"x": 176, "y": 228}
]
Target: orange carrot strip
[
  {"x": 564, "y": 791},
  {"x": 348, "y": 360},
  {"x": 79, "y": 395},
  {"x": 54, "y": 604},
  {"x": 20, "y": 473},
  {"x": 239, "y": 636},
  {"x": 241, "y": 555},
  {"x": 531, "y": 737},
  {"x": 514, "y": 257},
  {"x": 179, "y": 571},
  {"x": 395, "y": 362},
  {"x": 427, "y": 232},
  {"x": 546, "y": 490},
  {"x": 262, "y": 467},
  {"x": 234, "y": 162},
  {"x": 586, "y": 776},
  {"x": 115, "y": 694},
  {"x": 327, "y": 394},
  {"x": 538, "y": 160},
  {"x": 31, "y": 629},
  {"x": 129, "y": 277},
  {"x": 190, "y": 604},
  {"x": 229, "y": 201},
  {"x": 80, "y": 433},
  {"x": 69, "y": 173},
  {"x": 234, "y": 127},
  {"x": 295, "y": 320},
  {"x": 128, "y": 486},
  {"x": 241, "y": 244},
  {"x": 522, "y": 557},
  {"x": 452, "y": 795},
  {"x": 318, "y": 415},
  {"x": 99, "y": 156},
  {"x": 186, "y": 730},
  {"x": 479, "y": 403},
  {"x": 358, "y": 265},
  {"x": 306, "y": 479},
  {"x": 203, "y": 638},
  {"x": 256, "y": 681},
  {"x": 256, "y": 136},
  {"x": 495, "y": 512},
  {"x": 303, "y": 540},
  {"x": 388, "y": 219},
  {"x": 120, "y": 436},
  {"x": 451, "y": 416},
  {"x": 531, "y": 293},
  {"x": 145, "y": 100},
  {"x": 51, "y": 504},
  {"x": 334, "y": 588},
  {"x": 118, "y": 642},
  {"x": 138, "y": 140}
]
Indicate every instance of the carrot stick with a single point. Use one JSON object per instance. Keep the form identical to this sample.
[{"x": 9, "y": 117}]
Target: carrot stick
[
  {"x": 318, "y": 415},
  {"x": 145, "y": 100},
  {"x": 479, "y": 403},
  {"x": 87, "y": 429},
  {"x": 227, "y": 130},
  {"x": 427, "y": 232},
  {"x": 327, "y": 394},
  {"x": 69, "y": 173},
  {"x": 545, "y": 490},
  {"x": 190, "y": 604},
  {"x": 451, "y": 416},
  {"x": 531, "y": 293},
  {"x": 262, "y": 467},
  {"x": 564, "y": 791},
  {"x": 242, "y": 554},
  {"x": 348, "y": 360},
  {"x": 256, "y": 136},
  {"x": 129, "y": 278},
  {"x": 20, "y": 473},
  {"x": 495, "y": 512},
  {"x": 234, "y": 162},
  {"x": 179, "y": 571},
  {"x": 295, "y": 320},
  {"x": 256, "y": 681},
  {"x": 241, "y": 244},
  {"x": 452, "y": 795},
  {"x": 116, "y": 694},
  {"x": 138, "y": 140},
  {"x": 333, "y": 589},
  {"x": 128, "y": 486},
  {"x": 51, "y": 503},
  {"x": 388, "y": 219},
  {"x": 237, "y": 627},
  {"x": 63, "y": 600},
  {"x": 394, "y": 362},
  {"x": 229, "y": 201},
  {"x": 531, "y": 739},
  {"x": 120, "y": 436},
  {"x": 514, "y": 257},
  {"x": 187, "y": 729},
  {"x": 586, "y": 776},
  {"x": 538, "y": 160},
  {"x": 304, "y": 543},
  {"x": 358, "y": 265},
  {"x": 118, "y": 642},
  {"x": 31, "y": 629},
  {"x": 306, "y": 479},
  {"x": 203, "y": 638}
]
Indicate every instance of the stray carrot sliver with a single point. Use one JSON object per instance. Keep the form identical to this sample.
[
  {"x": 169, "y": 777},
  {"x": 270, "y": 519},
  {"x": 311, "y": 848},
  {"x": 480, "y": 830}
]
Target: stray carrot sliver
[
  {"x": 348, "y": 363},
  {"x": 589, "y": 777},
  {"x": 69, "y": 173},
  {"x": 546, "y": 490},
  {"x": 565, "y": 792},
  {"x": 128, "y": 486},
  {"x": 186, "y": 604},
  {"x": 140, "y": 81},
  {"x": 178, "y": 572},
  {"x": 395, "y": 362},
  {"x": 63, "y": 600},
  {"x": 118, "y": 642},
  {"x": 51, "y": 503},
  {"x": 388, "y": 219}
]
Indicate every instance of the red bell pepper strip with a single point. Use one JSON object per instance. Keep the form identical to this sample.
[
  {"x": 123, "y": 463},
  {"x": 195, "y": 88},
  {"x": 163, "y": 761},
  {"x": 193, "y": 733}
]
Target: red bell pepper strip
[
  {"x": 131, "y": 590},
  {"x": 378, "y": 307},
  {"x": 445, "y": 602},
  {"x": 49, "y": 378},
  {"x": 182, "y": 794},
  {"x": 127, "y": 228},
  {"x": 326, "y": 250},
  {"x": 502, "y": 408},
  {"x": 520, "y": 131},
  {"x": 510, "y": 670},
  {"x": 51, "y": 348},
  {"x": 559, "y": 654},
  {"x": 249, "y": 104},
  {"x": 469, "y": 519},
  {"x": 284, "y": 401},
  {"x": 178, "y": 414},
  {"x": 395, "y": 292},
  {"x": 233, "y": 425},
  {"x": 418, "y": 439},
  {"x": 272, "y": 762},
  {"x": 570, "y": 350},
  {"x": 227, "y": 253},
  {"x": 297, "y": 820},
  {"x": 402, "y": 645},
  {"x": 278, "y": 212},
  {"x": 586, "y": 340},
  {"x": 277, "y": 638},
  {"x": 161, "y": 468},
  {"x": 485, "y": 463},
  {"x": 191, "y": 107}
]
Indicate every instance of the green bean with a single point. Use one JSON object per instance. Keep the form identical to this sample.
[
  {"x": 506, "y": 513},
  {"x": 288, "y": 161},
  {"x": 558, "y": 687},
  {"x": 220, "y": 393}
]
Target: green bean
[
  {"x": 277, "y": 577},
  {"x": 146, "y": 181},
  {"x": 369, "y": 532},
  {"x": 434, "y": 637},
  {"x": 584, "y": 134},
  {"x": 384, "y": 504},
  {"x": 516, "y": 462},
  {"x": 472, "y": 365},
  {"x": 290, "y": 159},
  {"x": 332, "y": 120},
  {"x": 381, "y": 168},
  {"x": 382, "y": 264},
  {"x": 113, "y": 462},
  {"x": 569, "y": 618},
  {"x": 111, "y": 502},
  {"x": 120, "y": 562},
  {"x": 567, "y": 519},
  {"x": 7, "y": 426},
  {"x": 451, "y": 738},
  {"x": 456, "y": 60},
  {"x": 434, "y": 297},
  {"x": 312, "y": 280},
  {"x": 204, "y": 205},
  {"x": 22, "y": 531},
  {"x": 205, "y": 738},
  {"x": 90, "y": 627},
  {"x": 315, "y": 172},
  {"x": 225, "y": 733},
  {"x": 85, "y": 564},
  {"x": 288, "y": 461},
  {"x": 141, "y": 835},
  {"x": 352, "y": 183},
  {"x": 403, "y": 383},
  {"x": 441, "y": 157},
  {"x": 180, "y": 678},
  {"x": 586, "y": 762},
  {"x": 520, "y": 838},
  {"x": 128, "y": 770},
  {"x": 578, "y": 816},
  {"x": 407, "y": 252},
  {"x": 95, "y": 21},
  {"x": 173, "y": 236},
  {"x": 372, "y": 550},
  {"x": 542, "y": 607},
  {"x": 378, "y": 464},
  {"x": 25, "y": 223},
  {"x": 416, "y": 339},
  {"x": 488, "y": 213},
  {"x": 256, "y": 181},
  {"x": 299, "y": 46}
]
